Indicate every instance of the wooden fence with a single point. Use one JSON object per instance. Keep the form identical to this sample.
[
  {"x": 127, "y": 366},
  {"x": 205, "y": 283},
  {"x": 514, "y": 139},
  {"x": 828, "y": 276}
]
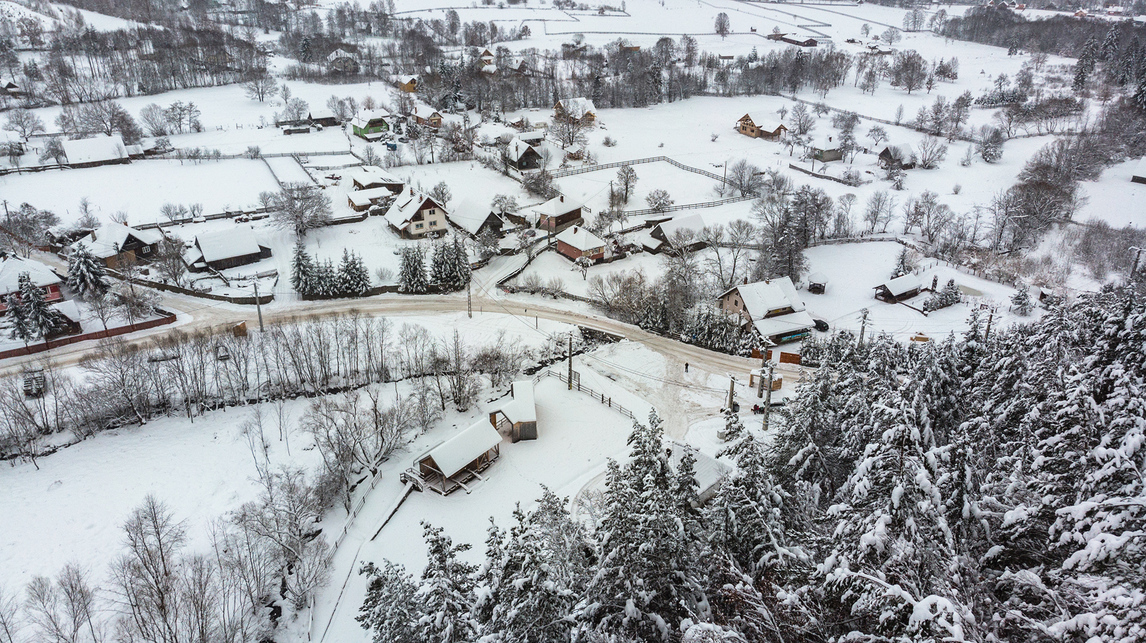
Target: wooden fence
[
  {"x": 166, "y": 318},
  {"x": 600, "y": 397},
  {"x": 249, "y": 300}
]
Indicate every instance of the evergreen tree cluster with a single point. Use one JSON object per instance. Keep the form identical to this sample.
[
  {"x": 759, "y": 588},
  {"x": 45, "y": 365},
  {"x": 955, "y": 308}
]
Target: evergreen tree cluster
[
  {"x": 979, "y": 489},
  {"x": 449, "y": 269},
  {"x": 30, "y": 315},
  {"x": 322, "y": 280},
  {"x": 948, "y": 296},
  {"x": 86, "y": 274}
]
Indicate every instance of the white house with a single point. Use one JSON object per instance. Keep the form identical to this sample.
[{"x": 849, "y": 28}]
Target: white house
[{"x": 414, "y": 215}]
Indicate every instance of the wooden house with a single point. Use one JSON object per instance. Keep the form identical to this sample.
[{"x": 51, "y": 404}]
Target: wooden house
[
  {"x": 577, "y": 109},
  {"x": 475, "y": 219},
  {"x": 369, "y": 177},
  {"x": 576, "y": 243},
  {"x": 99, "y": 150},
  {"x": 423, "y": 115},
  {"x": 117, "y": 245},
  {"x": 772, "y": 308},
  {"x": 522, "y": 155},
  {"x": 341, "y": 61},
  {"x": 899, "y": 289},
  {"x": 225, "y": 249},
  {"x": 371, "y": 124},
  {"x": 71, "y": 321},
  {"x": 414, "y": 215},
  {"x": 408, "y": 84},
  {"x": 41, "y": 276},
  {"x": 322, "y": 116},
  {"x": 558, "y": 212},
  {"x": 826, "y": 149},
  {"x": 459, "y": 460},
  {"x": 901, "y": 156},
  {"x": 486, "y": 57},
  {"x": 518, "y": 416},
  {"x": 800, "y": 42},
  {"x": 749, "y": 128}
]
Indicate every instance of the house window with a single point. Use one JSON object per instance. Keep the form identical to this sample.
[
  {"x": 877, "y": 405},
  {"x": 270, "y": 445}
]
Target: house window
[
  {"x": 418, "y": 226},
  {"x": 433, "y": 224},
  {"x": 430, "y": 212},
  {"x": 146, "y": 250}
]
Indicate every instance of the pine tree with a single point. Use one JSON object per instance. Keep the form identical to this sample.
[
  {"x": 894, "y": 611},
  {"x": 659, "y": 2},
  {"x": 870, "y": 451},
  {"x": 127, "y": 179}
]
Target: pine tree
[
  {"x": 412, "y": 271},
  {"x": 42, "y": 319},
  {"x": 903, "y": 263},
  {"x": 86, "y": 275},
  {"x": 463, "y": 273},
  {"x": 441, "y": 266},
  {"x": 302, "y": 270},
  {"x": 389, "y": 609},
  {"x": 353, "y": 279},
  {"x": 1021, "y": 301},
  {"x": 21, "y": 329},
  {"x": 446, "y": 593}
]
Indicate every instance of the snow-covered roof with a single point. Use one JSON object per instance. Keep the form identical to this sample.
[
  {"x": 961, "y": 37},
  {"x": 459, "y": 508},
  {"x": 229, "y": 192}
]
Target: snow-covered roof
[
  {"x": 454, "y": 454},
  {"x": 901, "y": 153},
  {"x": 557, "y": 206},
  {"x": 1140, "y": 169},
  {"x": 470, "y": 214},
  {"x": 577, "y": 107},
  {"x": 763, "y": 297},
  {"x": 782, "y": 324},
  {"x": 422, "y": 111},
  {"x": 580, "y": 238},
  {"x": 817, "y": 278},
  {"x": 363, "y": 198},
  {"x": 489, "y": 69},
  {"x": 109, "y": 239},
  {"x": 826, "y": 142},
  {"x": 368, "y": 175},
  {"x": 95, "y": 150},
  {"x": 903, "y": 284},
  {"x": 319, "y": 113},
  {"x": 709, "y": 471},
  {"x": 69, "y": 309},
  {"x": 522, "y": 408},
  {"x": 689, "y": 222},
  {"x": 406, "y": 79},
  {"x": 363, "y": 117},
  {"x": 11, "y": 267},
  {"x": 533, "y": 137},
  {"x": 226, "y": 244},
  {"x": 403, "y": 209},
  {"x": 517, "y": 148},
  {"x": 338, "y": 53}
]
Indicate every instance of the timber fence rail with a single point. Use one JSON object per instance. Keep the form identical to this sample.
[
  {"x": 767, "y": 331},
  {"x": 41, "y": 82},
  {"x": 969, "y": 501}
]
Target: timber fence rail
[
  {"x": 600, "y": 397},
  {"x": 165, "y": 318}
]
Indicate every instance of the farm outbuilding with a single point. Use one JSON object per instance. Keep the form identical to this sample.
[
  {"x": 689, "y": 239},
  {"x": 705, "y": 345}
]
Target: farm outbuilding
[
  {"x": 576, "y": 243},
  {"x": 748, "y": 127},
  {"x": 460, "y": 459},
  {"x": 827, "y": 149},
  {"x": 901, "y": 156},
  {"x": 518, "y": 416},
  {"x": 817, "y": 283},
  {"x": 368, "y": 177},
  {"x": 1139, "y": 175},
  {"x": 558, "y": 212},
  {"x": 100, "y": 150},
  {"x": 522, "y": 156},
  {"x": 899, "y": 289},
  {"x": 473, "y": 218},
  {"x": 576, "y": 109},
  {"x": 226, "y": 249}
]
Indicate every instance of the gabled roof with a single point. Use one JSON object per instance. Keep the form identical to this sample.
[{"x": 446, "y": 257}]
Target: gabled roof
[
  {"x": 557, "y": 206},
  {"x": 522, "y": 407},
  {"x": 422, "y": 111},
  {"x": 339, "y": 53},
  {"x": 470, "y": 215},
  {"x": 903, "y": 284},
  {"x": 518, "y": 148},
  {"x": 709, "y": 471},
  {"x": 580, "y": 238},
  {"x": 826, "y": 142},
  {"x": 403, "y": 209},
  {"x": 454, "y": 454},
  {"x": 109, "y": 239},
  {"x": 577, "y": 107},
  {"x": 689, "y": 222},
  {"x": 320, "y": 113},
  {"x": 489, "y": 69},
  {"x": 532, "y": 136},
  {"x": 901, "y": 153},
  {"x": 70, "y": 310},
  {"x": 790, "y": 323},
  {"x": 763, "y": 297},
  {"x": 369, "y": 175},
  {"x": 95, "y": 150},
  {"x": 363, "y": 117},
  {"x": 227, "y": 244},
  {"x": 11, "y": 266},
  {"x": 363, "y": 198}
]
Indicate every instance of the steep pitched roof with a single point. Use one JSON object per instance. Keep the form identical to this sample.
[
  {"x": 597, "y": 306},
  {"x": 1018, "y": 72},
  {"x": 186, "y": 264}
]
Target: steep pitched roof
[
  {"x": 403, "y": 209},
  {"x": 580, "y": 238},
  {"x": 371, "y": 176},
  {"x": 454, "y": 454},
  {"x": 470, "y": 215},
  {"x": 557, "y": 206},
  {"x": 226, "y": 244},
  {"x": 763, "y": 297},
  {"x": 11, "y": 266},
  {"x": 106, "y": 241},
  {"x": 577, "y": 107},
  {"x": 518, "y": 148}
]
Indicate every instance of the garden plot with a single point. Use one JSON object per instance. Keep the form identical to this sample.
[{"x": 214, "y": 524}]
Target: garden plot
[
  {"x": 140, "y": 189},
  {"x": 287, "y": 170},
  {"x": 683, "y": 186},
  {"x": 550, "y": 265}
]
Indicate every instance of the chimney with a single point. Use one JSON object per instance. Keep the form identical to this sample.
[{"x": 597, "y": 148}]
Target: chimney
[
  {"x": 411, "y": 190},
  {"x": 562, "y": 197}
]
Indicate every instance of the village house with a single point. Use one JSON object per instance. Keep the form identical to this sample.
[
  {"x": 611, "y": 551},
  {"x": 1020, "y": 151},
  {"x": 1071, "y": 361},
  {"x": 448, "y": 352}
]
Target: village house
[
  {"x": 117, "y": 245},
  {"x": 486, "y": 57},
  {"x": 901, "y": 156},
  {"x": 341, "y": 61},
  {"x": 371, "y": 124},
  {"x": 576, "y": 243},
  {"x": 41, "y": 276},
  {"x": 414, "y": 215},
  {"x": 474, "y": 218},
  {"x": 1139, "y": 175},
  {"x": 423, "y": 115},
  {"x": 408, "y": 84},
  {"x": 577, "y": 109},
  {"x": 369, "y": 177},
  {"x": 898, "y": 289},
  {"x": 826, "y": 149},
  {"x": 772, "y": 308},
  {"x": 69, "y": 317},
  {"x": 522, "y": 155},
  {"x": 533, "y": 137},
  {"x": 225, "y": 249},
  {"x": 518, "y": 416},
  {"x": 558, "y": 212},
  {"x": 455, "y": 462},
  {"x": 676, "y": 231},
  {"x": 708, "y": 471},
  {"x": 748, "y": 127},
  {"x": 322, "y": 116},
  {"x": 99, "y": 150},
  {"x": 362, "y": 200}
]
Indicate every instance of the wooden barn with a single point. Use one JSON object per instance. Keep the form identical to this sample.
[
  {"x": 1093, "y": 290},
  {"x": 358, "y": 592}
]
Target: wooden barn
[
  {"x": 100, "y": 150},
  {"x": 558, "y": 212},
  {"x": 576, "y": 243},
  {"x": 459, "y": 460},
  {"x": 749, "y": 128},
  {"x": 901, "y": 156},
  {"x": 517, "y": 417},
  {"x": 226, "y": 249},
  {"x": 898, "y": 289}
]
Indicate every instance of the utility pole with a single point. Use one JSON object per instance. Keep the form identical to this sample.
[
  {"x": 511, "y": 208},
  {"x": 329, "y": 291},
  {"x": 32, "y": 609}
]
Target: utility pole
[
  {"x": 763, "y": 365},
  {"x": 570, "y": 360},
  {"x": 258, "y": 304},
  {"x": 990, "y": 317},
  {"x": 768, "y": 398},
  {"x": 469, "y": 298},
  {"x": 863, "y": 325},
  {"x": 731, "y": 390}
]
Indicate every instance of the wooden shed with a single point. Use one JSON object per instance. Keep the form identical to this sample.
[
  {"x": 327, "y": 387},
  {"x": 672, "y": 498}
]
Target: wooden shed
[
  {"x": 518, "y": 416},
  {"x": 898, "y": 289},
  {"x": 450, "y": 465}
]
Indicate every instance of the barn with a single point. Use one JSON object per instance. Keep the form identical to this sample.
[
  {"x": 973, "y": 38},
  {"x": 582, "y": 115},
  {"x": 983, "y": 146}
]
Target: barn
[
  {"x": 558, "y": 212},
  {"x": 522, "y": 156},
  {"x": 901, "y": 156},
  {"x": 576, "y": 242},
  {"x": 100, "y": 150},
  {"x": 460, "y": 459},
  {"x": 898, "y": 289},
  {"x": 225, "y": 249}
]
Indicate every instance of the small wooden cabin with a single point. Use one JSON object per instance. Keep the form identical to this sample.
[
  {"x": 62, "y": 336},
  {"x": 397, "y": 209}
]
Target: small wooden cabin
[
  {"x": 459, "y": 460},
  {"x": 517, "y": 417},
  {"x": 899, "y": 289}
]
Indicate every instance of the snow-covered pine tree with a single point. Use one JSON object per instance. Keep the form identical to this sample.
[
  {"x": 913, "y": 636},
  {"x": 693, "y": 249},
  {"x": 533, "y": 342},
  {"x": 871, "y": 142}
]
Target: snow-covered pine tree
[
  {"x": 648, "y": 579},
  {"x": 1021, "y": 302},
  {"x": 412, "y": 271},
  {"x": 441, "y": 268},
  {"x": 389, "y": 609},
  {"x": 462, "y": 272},
  {"x": 86, "y": 274},
  {"x": 302, "y": 270},
  {"x": 325, "y": 279},
  {"x": 903, "y": 263},
  {"x": 41, "y": 318},
  {"x": 21, "y": 330},
  {"x": 446, "y": 593},
  {"x": 353, "y": 279}
]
